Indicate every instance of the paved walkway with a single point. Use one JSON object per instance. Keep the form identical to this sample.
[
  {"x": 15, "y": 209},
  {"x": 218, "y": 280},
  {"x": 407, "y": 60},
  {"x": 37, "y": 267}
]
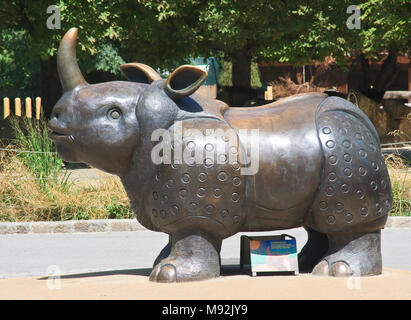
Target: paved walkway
[
  {"x": 37, "y": 254},
  {"x": 133, "y": 284},
  {"x": 116, "y": 265}
]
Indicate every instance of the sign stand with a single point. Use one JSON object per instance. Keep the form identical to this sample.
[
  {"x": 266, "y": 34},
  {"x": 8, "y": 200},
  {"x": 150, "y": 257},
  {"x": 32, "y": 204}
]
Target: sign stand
[{"x": 269, "y": 255}]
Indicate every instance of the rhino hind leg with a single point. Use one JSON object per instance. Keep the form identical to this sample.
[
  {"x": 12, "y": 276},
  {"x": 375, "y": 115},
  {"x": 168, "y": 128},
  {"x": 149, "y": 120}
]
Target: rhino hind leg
[
  {"x": 192, "y": 257},
  {"x": 355, "y": 193},
  {"x": 351, "y": 254},
  {"x": 355, "y": 196},
  {"x": 164, "y": 253}
]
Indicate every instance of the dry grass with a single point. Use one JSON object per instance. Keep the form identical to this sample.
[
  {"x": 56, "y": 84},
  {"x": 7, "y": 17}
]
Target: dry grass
[
  {"x": 400, "y": 175},
  {"x": 284, "y": 86},
  {"x": 22, "y": 197},
  {"x": 34, "y": 186}
]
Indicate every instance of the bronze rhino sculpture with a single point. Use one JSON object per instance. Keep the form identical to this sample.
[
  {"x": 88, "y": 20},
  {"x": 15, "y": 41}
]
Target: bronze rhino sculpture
[{"x": 317, "y": 164}]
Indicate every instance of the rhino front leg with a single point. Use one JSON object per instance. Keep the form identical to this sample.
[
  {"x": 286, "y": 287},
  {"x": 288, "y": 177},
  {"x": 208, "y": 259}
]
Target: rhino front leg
[
  {"x": 313, "y": 251},
  {"x": 192, "y": 257}
]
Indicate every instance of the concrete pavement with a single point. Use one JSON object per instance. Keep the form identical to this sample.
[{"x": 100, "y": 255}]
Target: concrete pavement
[{"x": 36, "y": 254}]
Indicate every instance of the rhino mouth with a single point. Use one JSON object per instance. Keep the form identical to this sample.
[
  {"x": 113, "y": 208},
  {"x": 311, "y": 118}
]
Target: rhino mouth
[{"x": 60, "y": 137}]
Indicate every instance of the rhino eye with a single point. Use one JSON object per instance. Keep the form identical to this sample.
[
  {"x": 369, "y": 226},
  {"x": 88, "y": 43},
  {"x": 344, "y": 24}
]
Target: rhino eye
[{"x": 114, "y": 113}]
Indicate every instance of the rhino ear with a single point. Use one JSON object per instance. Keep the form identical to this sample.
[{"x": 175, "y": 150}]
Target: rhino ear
[
  {"x": 139, "y": 72},
  {"x": 184, "y": 81}
]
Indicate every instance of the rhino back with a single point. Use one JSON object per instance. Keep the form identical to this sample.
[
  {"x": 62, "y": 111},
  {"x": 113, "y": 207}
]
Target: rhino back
[{"x": 290, "y": 160}]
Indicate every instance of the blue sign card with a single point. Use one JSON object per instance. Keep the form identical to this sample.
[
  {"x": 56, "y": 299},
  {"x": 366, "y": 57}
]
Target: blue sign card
[{"x": 273, "y": 255}]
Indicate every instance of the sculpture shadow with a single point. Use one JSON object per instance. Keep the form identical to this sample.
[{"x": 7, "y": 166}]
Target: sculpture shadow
[
  {"x": 226, "y": 270},
  {"x": 135, "y": 272}
]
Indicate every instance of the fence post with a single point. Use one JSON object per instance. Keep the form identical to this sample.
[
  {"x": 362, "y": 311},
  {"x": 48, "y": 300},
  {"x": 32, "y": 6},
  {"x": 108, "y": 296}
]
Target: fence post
[
  {"x": 28, "y": 107},
  {"x": 38, "y": 107},
  {"x": 268, "y": 94},
  {"x": 17, "y": 107},
  {"x": 6, "y": 107}
]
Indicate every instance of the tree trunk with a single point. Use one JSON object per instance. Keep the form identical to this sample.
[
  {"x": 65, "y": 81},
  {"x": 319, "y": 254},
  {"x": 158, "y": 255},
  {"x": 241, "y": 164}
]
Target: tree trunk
[
  {"x": 241, "y": 72},
  {"x": 366, "y": 76},
  {"x": 386, "y": 75},
  {"x": 241, "y": 77},
  {"x": 50, "y": 84},
  {"x": 387, "y": 72}
]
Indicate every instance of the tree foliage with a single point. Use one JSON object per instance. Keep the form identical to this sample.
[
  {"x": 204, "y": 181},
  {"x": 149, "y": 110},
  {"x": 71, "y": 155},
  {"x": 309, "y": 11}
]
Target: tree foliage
[
  {"x": 163, "y": 33},
  {"x": 286, "y": 31},
  {"x": 28, "y": 48},
  {"x": 385, "y": 24},
  {"x": 17, "y": 70},
  {"x": 95, "y": 19}
]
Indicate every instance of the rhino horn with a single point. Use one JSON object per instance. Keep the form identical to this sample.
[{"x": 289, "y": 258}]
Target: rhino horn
[{"x": 68, "y": 69}]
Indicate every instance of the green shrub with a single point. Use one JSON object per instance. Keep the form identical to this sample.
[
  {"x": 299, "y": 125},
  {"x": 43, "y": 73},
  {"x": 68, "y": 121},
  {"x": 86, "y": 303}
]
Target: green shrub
[
  {"x": 43, "y": 162},
  {"x": 400, "y": 176},
  {"x": 225, "y": 77},
  {"x": 37, "y": 187},
  {"x": 117, "y": 210}
]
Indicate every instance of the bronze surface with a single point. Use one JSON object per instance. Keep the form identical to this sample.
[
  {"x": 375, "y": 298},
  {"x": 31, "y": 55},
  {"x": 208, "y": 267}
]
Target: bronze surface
[{"x": 318, "y": 158}]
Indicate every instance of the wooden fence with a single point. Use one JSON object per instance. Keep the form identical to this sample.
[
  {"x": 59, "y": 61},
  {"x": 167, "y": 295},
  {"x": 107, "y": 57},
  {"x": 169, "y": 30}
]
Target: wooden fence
[{"x": 18, "y": 107}]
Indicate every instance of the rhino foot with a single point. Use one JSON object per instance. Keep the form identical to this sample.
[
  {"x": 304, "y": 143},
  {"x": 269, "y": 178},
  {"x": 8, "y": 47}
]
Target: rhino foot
[
  {"x": 351, "y": 254},
  {"x": 191, "y": 258},
  {"x": 338, "y": 269}
]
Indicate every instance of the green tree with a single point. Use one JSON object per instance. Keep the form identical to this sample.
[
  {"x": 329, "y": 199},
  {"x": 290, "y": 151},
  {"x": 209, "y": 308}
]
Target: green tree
[
  {"x": 287, "y": 31},
  {"x": 95, "y": 19},
  {"x": 385, "y": 29},
  {"x": 16, "y": 69},
  {"x": 163, "y": 33},
  {"x": 237, "y": 31}
]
